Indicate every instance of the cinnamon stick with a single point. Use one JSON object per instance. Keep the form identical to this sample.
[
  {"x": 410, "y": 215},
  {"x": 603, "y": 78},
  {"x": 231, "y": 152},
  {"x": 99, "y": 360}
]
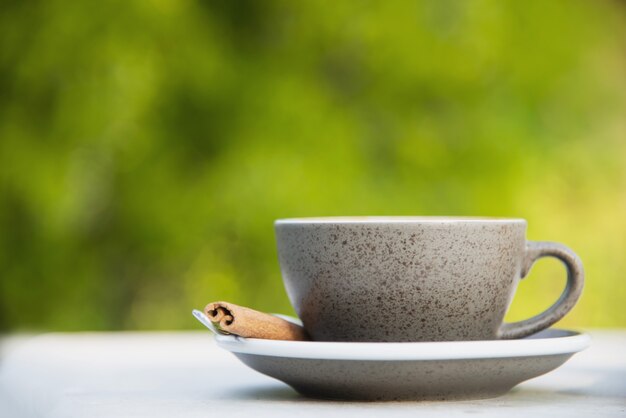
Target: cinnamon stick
[{"x": 245, "y": 322}]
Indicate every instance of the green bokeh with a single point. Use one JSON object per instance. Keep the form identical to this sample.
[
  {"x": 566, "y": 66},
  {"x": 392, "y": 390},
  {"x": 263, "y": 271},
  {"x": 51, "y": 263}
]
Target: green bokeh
[{"x": 147, "y": 146}]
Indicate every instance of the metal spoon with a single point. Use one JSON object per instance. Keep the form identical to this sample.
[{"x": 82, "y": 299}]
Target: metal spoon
[{"x": 202, "y": 318}]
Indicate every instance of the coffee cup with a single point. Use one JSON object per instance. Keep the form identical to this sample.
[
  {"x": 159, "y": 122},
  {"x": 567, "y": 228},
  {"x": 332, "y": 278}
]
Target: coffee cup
[{"x": 395, "y": 279}]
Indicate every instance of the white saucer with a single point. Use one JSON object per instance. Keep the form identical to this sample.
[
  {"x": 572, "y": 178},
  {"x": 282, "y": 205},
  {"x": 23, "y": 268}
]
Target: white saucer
[{"x": 418, "y": 371}]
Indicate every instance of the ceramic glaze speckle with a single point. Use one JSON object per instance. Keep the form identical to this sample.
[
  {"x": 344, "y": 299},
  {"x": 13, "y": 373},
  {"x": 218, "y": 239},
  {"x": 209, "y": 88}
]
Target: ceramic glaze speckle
[
  {"x": 403, "y": 380},
  {"x": 411, "y": 279}
]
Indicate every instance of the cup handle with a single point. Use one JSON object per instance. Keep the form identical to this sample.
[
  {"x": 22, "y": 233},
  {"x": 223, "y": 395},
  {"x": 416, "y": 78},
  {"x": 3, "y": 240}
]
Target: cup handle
[{"x": 575, "y": 279}]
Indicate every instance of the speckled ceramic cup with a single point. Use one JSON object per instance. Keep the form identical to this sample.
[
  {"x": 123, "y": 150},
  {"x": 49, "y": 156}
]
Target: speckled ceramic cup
[{"x": 414, "y": 278}]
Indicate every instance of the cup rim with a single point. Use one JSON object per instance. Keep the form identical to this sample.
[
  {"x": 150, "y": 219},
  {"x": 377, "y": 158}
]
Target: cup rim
[{"x": 398, "y": 220}]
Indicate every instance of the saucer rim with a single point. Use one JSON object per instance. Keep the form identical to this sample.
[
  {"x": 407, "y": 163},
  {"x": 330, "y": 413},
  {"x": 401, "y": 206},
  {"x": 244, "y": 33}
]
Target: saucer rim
[{"x": 403, "y": 351}]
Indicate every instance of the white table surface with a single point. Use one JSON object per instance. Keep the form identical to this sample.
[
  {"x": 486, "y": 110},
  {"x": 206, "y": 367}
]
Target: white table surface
[{"x": 184, "y": 374}]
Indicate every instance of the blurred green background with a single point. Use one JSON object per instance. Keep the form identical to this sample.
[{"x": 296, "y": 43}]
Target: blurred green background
[{"x": 147, "y": 146}]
